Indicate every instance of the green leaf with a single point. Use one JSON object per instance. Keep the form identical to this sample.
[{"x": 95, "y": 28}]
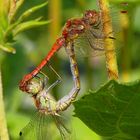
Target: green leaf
[
  {"x": 7, "y": 48},
  {"x": 112, "y": 111},
  {"x": 17, "y": 4},
  {"x": 30, "y": 11},
  {"x": 27, "y": 25}
]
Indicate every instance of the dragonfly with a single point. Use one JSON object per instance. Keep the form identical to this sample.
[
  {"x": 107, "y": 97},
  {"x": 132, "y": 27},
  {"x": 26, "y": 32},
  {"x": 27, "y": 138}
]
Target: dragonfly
[
  {"x": 72, "y": 29},
  {"x": 47, "y": 106},
  {"x": 85, "y": 33}
]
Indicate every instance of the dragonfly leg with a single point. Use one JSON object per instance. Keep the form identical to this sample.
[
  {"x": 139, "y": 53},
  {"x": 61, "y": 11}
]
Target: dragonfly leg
[
  {"x": 45, "y": 79},
  {"x": 59, "y": 77},
  {"x": 66, "y": 101},
  {"x": 52, "y": 86},
  {"x": 56, "y": 82}
]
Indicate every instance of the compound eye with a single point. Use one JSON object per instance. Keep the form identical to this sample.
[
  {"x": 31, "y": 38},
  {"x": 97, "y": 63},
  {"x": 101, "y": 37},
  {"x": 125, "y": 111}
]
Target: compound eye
[
  {"x": 88, "y": 14},
  {"x": 34, "y": 86}
]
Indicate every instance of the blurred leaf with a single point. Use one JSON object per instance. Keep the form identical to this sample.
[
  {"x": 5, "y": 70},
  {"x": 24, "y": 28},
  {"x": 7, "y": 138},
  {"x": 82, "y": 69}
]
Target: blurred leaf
[
  {"x": 10, "y": 27},
  {"x": 12, "y": 74},
  {"x": 29, "y": 24},
  {"x": 8, "y": 48},
  {"x": 14, "y": 6},
  {"x": 8, "y": 37},
  {"x": 15, "y": 126},
  {"x": 112, "y": 111},
  {"x": 30, "y": 11}
]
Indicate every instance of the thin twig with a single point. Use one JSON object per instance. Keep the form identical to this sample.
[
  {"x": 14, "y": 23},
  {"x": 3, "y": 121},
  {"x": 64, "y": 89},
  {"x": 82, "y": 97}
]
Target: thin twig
[
  {"x": 126, "y": 22},
  {"x": 3, "y": 125},
  {"x": 111, "y": 61}
]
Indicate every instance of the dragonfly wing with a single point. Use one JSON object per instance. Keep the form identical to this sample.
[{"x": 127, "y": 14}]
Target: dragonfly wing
[
  {"x": 63, "y": 130},
  {"x": 118, "y": 9},
  {"x": 92, "y": 42},
  {"x": 37, "y": 129},
  {"x": 96, "y": 40},
  {"x": 45, "y": 127},
  {"x": 28, "y": 131},
  {"x": 88, "y": 44}
]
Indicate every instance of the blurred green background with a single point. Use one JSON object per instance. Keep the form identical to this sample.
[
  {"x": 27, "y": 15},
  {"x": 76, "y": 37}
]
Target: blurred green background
[{"x": 33, "y": 45}]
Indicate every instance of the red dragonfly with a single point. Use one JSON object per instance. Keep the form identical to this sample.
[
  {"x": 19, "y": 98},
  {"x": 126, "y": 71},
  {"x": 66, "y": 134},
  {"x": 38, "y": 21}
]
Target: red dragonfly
[
  {"x": 87, "y": 28},
  {"x": 49, "y": 108}
]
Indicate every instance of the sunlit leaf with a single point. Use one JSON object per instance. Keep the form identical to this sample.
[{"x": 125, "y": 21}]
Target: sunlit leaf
[
  {"x": 112, "y": 111},
  {"x": 27, "y": 25},
  {"x": 7, "y": 48},
  {"x": 13, "y": 12},
  {"x": 30, "y": 11}
]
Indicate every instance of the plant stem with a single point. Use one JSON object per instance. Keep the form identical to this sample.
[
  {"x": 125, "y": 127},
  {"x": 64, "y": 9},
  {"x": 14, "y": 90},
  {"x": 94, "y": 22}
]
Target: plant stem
[
  {"x": 111, "y": 62},
  {"x": 127, "y": 21},
  {"x": 125, "y": 51},
  {"x": 3, "y": 125}
]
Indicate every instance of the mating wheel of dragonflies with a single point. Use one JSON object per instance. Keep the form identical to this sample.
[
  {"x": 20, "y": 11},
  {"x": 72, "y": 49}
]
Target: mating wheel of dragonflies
[{"x": 89, "y": 29}]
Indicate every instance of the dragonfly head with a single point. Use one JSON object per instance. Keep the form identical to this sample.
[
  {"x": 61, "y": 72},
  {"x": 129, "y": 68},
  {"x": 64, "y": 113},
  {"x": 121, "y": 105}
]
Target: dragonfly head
[
  {"x": 33, "y": 86},
  {"x": 91, "y": 16}
]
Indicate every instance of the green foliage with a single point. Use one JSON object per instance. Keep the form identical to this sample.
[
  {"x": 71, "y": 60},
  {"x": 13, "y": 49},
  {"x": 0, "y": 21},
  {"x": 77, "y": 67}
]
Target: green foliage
[
  {"x": 31, "y": 11},
  {"x": 27, "y": 25},
  {"x": 112, "y": 111},
  {"x": 10, "y": 27}
]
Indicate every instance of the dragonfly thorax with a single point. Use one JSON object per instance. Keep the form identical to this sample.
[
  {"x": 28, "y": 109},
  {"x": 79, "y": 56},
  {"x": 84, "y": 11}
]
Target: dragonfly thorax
[
  {"x": 72, "y": 29},
  {"x": 75, "y": 27},
  {"x": 91, "y": 17},
  {"x": 45, "y": 103}
]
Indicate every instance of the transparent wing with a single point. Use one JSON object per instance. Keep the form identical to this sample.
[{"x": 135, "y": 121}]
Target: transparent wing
[
  {"x": 118, "y": 9},
  {"x": 63, "y": 130},
  {"x": 45, "y": 127},
  {"x": 91, "y": 42},
  {"x": 37, "y": 128}
]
